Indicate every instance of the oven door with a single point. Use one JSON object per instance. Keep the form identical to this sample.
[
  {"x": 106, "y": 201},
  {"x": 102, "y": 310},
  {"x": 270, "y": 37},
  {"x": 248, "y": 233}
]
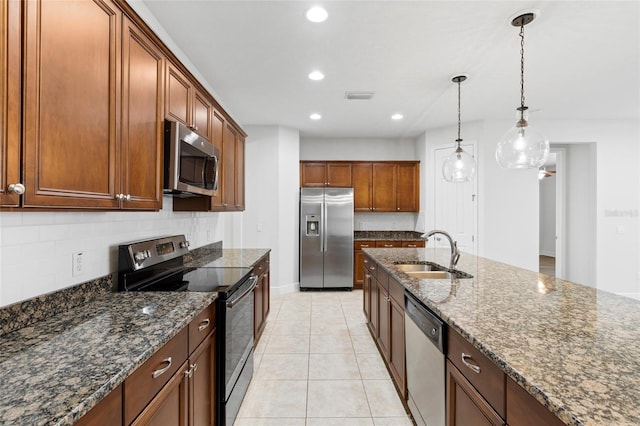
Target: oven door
[{"x": 238, "y": 352}]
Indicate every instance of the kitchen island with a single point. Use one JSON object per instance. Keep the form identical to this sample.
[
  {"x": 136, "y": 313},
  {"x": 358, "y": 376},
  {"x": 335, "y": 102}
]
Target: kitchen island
[{"x": 573, "y": 348}]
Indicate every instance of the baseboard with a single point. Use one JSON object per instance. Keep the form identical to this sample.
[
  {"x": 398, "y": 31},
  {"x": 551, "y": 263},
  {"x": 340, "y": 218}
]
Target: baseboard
[
  {"x": 547, "y": 253},
  {"x": 285, "y": 289},
  {"x": 631, "y": 295}
]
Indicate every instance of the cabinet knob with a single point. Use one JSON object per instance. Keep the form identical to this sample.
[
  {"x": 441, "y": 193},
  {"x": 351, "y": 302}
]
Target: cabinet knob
[
  {"x": 16, "y": 188},
  {"x": 128, "y": 197},
  {"x": 119, "y": 197},
  {"x": 224, "y": 204},
  {"x": 398, "y": 208}
]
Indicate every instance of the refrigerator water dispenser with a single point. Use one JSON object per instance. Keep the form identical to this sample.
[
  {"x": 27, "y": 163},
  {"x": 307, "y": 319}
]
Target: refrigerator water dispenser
[{"x": 313, "y": 227}]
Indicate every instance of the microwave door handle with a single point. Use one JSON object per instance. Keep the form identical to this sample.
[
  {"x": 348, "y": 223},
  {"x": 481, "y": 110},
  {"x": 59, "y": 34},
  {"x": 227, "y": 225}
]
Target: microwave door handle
[{"x": 215, "y": 178}]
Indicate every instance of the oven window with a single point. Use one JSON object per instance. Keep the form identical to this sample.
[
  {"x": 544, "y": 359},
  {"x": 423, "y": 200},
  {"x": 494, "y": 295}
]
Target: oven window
[{"x": 238, "y": 336}]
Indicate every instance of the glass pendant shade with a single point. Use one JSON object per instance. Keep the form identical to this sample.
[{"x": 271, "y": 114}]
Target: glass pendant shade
[
  {"x": 522, "y": 147},
  {"x": 459, "y": 167}
]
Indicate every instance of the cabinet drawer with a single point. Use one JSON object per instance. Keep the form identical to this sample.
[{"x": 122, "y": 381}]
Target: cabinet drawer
[
  {"x": 371, "y": 266},
  {"x": 201, "y": 326},
  {"x": 142, "y": 386},
  {"x": 413, "y": 244},
  {"x": 483, "y": 374},
  {"x": 261, "y": 266},
  {"x": 396, "y": 291},
  {"x": 388, "y": 244},
  {"x": 359, "y": 245}
]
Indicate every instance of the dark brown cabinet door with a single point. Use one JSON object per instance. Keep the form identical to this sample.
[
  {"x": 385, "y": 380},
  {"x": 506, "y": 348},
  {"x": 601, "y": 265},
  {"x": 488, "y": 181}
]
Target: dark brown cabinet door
[
  {"x": 524, "y": 410},
  {"x": 229, "y": 168},
  {"x": 374, "y": 323},
  {"x": 202, "y": 407},
  {"x": 408, "y": 187},
  {"x": 177, "y": 96},
  {"x": 202, "y": 114},
  {"x": 384, "y": 187},
  {"x": 217, "y": 133},
  {"x": 366, "y": 294},
  {"x": 397, "y": 349},
  {"x": 358, "y": 269},
  {"x": 107, "y": 412},
  {"x": 239, "y": 174},
  {"x": 313, "y": 174},
  {"x": 142, "y": 120},
  {"x": 258, "y": 313},
  {"x": 170, "y": 407},
  {"x": 339, "y": 175},
  {"x": 10, "y": 28},
  {"x": 71, "y": 89},
  {"x": 465, "y": 405},
  {"x": 384, "y": 322},
  {"x": 362, "y": 187}
]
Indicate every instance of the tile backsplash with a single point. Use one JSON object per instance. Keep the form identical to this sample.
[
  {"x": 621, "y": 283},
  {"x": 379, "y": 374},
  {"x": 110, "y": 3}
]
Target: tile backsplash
[
  {"x": 384, "y": 221},
  {"x": 36, "y": 248}
]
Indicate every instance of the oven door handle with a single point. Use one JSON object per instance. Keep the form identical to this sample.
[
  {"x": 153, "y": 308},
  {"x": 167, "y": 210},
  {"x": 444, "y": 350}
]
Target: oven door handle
[{"x": 231, "y": 303}]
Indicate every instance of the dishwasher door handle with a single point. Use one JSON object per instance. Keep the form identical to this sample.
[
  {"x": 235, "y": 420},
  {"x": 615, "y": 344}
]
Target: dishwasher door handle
[{"x": 465, "y": 357}]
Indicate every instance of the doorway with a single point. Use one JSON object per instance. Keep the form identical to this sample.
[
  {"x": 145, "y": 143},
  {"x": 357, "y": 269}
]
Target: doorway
[
  {"x": 455, "y": 206},
  {"x": 551, "y": 178}
]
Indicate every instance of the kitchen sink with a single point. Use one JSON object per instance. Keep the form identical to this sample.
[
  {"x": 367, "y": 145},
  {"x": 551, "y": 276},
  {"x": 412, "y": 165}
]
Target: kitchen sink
[{"x": 432, "y": 271}]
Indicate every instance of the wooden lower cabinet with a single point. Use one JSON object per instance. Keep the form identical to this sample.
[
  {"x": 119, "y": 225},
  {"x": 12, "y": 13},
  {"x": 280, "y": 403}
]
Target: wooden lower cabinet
[
  {"x": 107, "y": 412},
  {"x": 358, "y": 255},
  {"x": 175, "y": 387},
  {"x": 524, "y": 410},
  {"x": 465, "y": 405},
  {"x": 261, "y": 297}
]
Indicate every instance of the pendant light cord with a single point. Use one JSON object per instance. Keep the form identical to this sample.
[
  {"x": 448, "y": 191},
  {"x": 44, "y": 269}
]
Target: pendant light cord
[
  {"x": 522, "y": 107},
  {"x": 459, "y": 140}
]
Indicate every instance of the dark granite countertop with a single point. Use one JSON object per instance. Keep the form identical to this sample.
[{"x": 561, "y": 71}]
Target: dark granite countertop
[
  {"x": 387, "y": 236},
  {"x": 54, "y": 371},
  {"x": 574, "y": 348}
]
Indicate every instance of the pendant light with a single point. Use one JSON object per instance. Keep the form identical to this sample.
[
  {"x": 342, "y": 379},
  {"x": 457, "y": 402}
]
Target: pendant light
[
  {"x": 459, "y": 167},
  {"x": 522, "y": 147}
]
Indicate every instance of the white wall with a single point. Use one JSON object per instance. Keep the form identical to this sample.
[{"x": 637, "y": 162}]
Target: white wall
[
  {"x": 36, "y": 247},
  {"x": 272, "y": 193},
  {"x": 548, "y": 216},
  {"x": 508, "y": 200},
  {"x": 357, "y": 149},
  {"x": 367, "y": 149}
]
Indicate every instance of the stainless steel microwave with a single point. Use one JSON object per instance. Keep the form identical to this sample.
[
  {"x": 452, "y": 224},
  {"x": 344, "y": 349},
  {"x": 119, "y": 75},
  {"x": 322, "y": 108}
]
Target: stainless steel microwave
[{"x": 190, "y": 162}]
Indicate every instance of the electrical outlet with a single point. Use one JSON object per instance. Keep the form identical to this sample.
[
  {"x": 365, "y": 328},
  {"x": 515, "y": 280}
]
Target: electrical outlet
[{"x": 77, "y": 264}]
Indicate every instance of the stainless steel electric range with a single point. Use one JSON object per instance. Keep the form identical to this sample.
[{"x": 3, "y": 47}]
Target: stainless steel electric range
[{"x": 158, "y": 265}]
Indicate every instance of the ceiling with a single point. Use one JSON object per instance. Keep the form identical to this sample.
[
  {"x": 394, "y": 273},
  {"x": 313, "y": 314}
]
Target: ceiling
[{"x": 581, "y": 61}]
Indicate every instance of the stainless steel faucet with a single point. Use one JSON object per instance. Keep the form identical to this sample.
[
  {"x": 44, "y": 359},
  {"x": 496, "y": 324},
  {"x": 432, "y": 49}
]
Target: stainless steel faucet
[{"x": 455, "y": 253}]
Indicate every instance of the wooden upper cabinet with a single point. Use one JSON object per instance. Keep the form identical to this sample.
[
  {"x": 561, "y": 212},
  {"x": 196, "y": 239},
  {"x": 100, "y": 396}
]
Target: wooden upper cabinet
[
  {"x": 229, "y": 168},
  {"x": 408, "y": 187},
  {"x": 384, "y": 187},
  {"x": 239, "y": 175},
  {"x": 142, "y": 120},
  {"x": 313, "y": 174},
  {"x": 339, "y": 175},
  {"x": 362, "y": 186},
  {"x": 325, "y": 174},
  {"x": 71, "y": 83},
  {"x": 186, "y": 104},
  {"x": 217, "y": 132},
  {"x": 177, "y": 96},
  {"x": 10, "y": 28},
  {"x": 202, "y": 112}
]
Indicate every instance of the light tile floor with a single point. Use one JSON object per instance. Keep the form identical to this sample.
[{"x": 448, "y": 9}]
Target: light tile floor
[{"x": 317, "y": 365}]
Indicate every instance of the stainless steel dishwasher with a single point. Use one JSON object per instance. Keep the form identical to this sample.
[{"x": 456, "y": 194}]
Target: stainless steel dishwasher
[{"x": 424, "y": 337}]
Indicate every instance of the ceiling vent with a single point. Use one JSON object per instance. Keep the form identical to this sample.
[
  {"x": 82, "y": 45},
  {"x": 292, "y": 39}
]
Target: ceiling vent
[{"x": 359, "y": 96}]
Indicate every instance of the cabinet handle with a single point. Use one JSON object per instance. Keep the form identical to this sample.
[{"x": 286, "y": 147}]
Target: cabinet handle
[
  {"x": 204, "y": 324},
  {"x": 161, "y": 371},
  {"x": 127, "y": 197},
  {"x": 238, "y": 205},
  {"x": 224, "y": 204},
  {"x": 473, "y": 367},
  {"x": 388, "y": 245},
  {"x": 373, "y": 268},
  {"x": 16, "y": 188},
  {"x": 398, "y": 208},
  {"x": 411, "y": 245},
  {"x": 365, "y": 246}
]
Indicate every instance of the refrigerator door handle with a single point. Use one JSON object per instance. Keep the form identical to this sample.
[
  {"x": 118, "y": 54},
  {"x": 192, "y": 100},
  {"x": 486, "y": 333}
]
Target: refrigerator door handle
[{"x": 323, "y": 219}]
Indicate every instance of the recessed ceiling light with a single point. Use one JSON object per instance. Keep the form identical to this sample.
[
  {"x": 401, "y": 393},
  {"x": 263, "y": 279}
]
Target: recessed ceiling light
[
  {"x": 397, "y": 117},
  {"x": 315, "y": 116},
  {"x": 316, "y": 75},
  {"x": 317, "y": 14}
]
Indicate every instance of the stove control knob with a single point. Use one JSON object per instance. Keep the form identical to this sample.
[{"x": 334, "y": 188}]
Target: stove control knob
[
  {"x": 147, "y": 254},
  {"x": 184, "y": 244},
  {"x": 139, "y": 256}
]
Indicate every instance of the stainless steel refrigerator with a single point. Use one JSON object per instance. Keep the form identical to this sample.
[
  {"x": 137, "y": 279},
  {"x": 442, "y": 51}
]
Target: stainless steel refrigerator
[{"x": 326, "y": 238}]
